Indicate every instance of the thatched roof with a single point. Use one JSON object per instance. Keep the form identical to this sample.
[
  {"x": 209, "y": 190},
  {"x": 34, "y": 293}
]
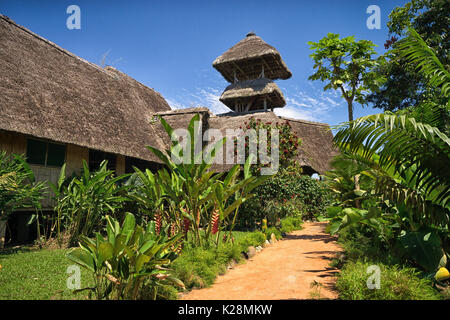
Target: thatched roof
[
  {"x": 315, "y": 152},
  {"x": 254, "y": 92},
  {"x": 247, "y": 59},
  {"x": 50, "y": 93}
]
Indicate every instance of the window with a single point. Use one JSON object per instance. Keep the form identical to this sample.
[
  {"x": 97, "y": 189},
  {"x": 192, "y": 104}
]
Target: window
[
  {"x": 96, "y": 158},
  {"x": 45, "y": 153},
  {"x": 140, "y": 164}
]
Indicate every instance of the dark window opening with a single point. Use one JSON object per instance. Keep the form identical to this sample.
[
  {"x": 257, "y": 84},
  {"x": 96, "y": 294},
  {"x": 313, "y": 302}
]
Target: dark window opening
[
  {"x": 45, "y": 153},
  {"x": 140, "y": 164},
  {"x": 96, "y": 157}
]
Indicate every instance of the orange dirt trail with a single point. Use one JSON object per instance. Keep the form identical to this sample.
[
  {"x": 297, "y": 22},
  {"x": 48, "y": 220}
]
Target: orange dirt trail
[{"x": 284, "y": 270}]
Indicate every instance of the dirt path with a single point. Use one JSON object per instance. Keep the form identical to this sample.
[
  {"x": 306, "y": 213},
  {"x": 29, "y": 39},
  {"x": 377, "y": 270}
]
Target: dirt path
[{"x": 284, "y": 270}]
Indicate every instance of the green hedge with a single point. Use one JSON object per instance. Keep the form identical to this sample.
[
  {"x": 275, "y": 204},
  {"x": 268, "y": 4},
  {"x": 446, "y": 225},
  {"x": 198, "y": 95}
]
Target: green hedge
[{"x": 286, "y": 194}]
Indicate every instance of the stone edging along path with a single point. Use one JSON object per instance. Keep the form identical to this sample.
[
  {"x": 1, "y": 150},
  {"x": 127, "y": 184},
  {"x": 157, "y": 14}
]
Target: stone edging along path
[{"x": 296, "y": 267}]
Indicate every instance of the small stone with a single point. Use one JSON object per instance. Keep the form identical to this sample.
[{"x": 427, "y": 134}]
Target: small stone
[
  {"x": 251, "y": 252},
  {"x": 266, "y": 243},
  {"x": 259, "y": 248}
]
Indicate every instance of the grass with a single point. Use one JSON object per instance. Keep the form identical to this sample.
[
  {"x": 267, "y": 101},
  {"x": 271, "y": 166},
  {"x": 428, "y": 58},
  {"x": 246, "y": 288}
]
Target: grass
[
  {"x": 37, "y": 275},
  {"x": 396, "y": 283},
  {"x": 42, "y": 274},
  {"x": 34, "y": 274},
  {"x": 397, "y": 280}
]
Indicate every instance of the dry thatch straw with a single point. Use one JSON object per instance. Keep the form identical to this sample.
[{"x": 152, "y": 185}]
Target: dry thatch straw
[
  {"x": 253, "y": 92},
  {"x": 50, "y": 93},
  {"x": 316, "y": 150},
  {"x": 248, "y": 57}
]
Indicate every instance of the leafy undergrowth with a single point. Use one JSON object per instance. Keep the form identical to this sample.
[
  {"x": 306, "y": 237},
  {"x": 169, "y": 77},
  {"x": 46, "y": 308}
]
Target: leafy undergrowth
[
  {"x": 396, "y": 283},
  {"x": 42, "y": 274},
  {"x": 37, "y": 275},
  {"x": 397, "y": 280}
]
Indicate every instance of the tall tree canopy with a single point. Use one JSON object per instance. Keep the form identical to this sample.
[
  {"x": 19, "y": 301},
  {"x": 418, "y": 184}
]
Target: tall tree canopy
[
  {"x": 404, "y": 87},
  {"x": 345, "y": 65}
]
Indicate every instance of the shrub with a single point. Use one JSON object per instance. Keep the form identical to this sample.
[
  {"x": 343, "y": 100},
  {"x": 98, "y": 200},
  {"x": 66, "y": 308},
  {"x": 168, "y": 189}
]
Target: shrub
[
  {"x": 395, "y": 284},
  {"x": 275, "y": 231},
  {"x": 290, "y": 224},
  {"x": 286, "y": 194},
  {"x": 128, "y": 258}
]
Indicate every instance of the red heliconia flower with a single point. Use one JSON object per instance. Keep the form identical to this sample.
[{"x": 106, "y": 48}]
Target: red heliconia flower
[
  {"x": 173, "y": 229},
  {"x": 186, "y": 225},
  {"x": 215, "y": 218},
  {"x": 158, "y": 222}
]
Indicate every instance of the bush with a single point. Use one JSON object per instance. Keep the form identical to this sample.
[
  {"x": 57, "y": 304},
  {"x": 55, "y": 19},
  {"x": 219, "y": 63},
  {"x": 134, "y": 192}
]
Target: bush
[
  {"x": 290, "y": 224},
  {"x": 275, "y": 231},
  {"x": 286, "y": 194},
  {"x": 395, "y": 284}
]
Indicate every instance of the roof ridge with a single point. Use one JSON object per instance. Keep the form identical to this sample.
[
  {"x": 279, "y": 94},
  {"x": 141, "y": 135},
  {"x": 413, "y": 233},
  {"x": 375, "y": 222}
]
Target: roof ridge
[
  {"x": 306, "y": 121},
  {"x": 52, "y": 44},
  {"x": 110, "y": 73}
]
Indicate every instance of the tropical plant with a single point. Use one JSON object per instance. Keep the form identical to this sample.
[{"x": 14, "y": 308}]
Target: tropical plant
[
  {"x": 126, "y": 259},
  {"x": 408, "y": 160},
  {"x": 340, "y": 180},
  {"x": 288, "y": 142},
  {"x": 346, "y": 65},
  {"x": 88, "y": 198},
  {"x": 406, "y": 88},
  {"x": 194, "y": 192},
  {"x": 18, "y": 188}
]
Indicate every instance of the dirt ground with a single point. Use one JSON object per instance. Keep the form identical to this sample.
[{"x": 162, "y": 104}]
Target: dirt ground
[{"x": 287, "y": 269}]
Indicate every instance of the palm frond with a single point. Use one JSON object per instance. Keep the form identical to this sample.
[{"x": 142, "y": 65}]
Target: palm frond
[
  {"x": 415, "y": 49},
  {"x": 402, "y": 145}
]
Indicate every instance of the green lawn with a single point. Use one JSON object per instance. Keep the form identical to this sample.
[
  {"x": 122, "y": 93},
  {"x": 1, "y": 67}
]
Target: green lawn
[
  {"x": 37, "y": 274},
  {"x": 42, "y": 274}
]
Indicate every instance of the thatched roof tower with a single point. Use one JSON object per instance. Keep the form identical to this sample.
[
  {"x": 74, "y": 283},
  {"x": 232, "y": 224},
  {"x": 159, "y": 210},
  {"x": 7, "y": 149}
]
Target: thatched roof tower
[{"x": 250, "y": 66}]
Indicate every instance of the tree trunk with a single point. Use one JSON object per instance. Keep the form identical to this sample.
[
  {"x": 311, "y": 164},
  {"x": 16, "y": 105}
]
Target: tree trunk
[
  {"x": 3, "y": 223},
  {"x": 350, "y": 110},
  {"x": 355, "y": 178}
]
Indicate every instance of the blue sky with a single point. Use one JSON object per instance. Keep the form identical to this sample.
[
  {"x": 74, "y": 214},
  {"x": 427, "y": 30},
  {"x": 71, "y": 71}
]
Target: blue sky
[{"x": 170, "y": 45}]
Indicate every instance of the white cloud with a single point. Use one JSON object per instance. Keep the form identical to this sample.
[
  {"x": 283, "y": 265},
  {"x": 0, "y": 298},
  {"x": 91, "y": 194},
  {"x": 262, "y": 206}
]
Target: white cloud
[
  {"x": 201, "y": 97},
  {"x": 295, "y": 113},
  {"x": 313, "y": 104}
]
